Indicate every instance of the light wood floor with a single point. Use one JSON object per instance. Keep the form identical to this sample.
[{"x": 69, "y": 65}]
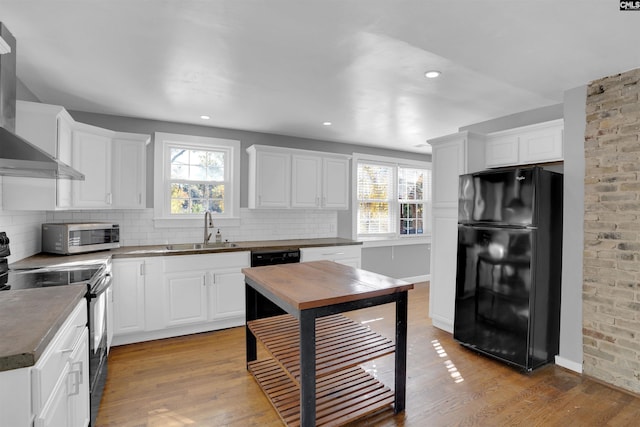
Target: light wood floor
[{"x": 201, "y": 380}]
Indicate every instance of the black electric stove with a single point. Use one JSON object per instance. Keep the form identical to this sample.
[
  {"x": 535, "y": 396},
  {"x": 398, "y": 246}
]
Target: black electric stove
[
  {"x": 49, "y": 277},
  {"x": 66, "y": 274}
]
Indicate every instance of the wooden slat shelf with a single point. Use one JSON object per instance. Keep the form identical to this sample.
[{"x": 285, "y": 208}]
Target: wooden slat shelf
[
  {"x": 340, "y": 397},
  {"x": 341, "y": 343},
  {"x": 344, "y": 391}
]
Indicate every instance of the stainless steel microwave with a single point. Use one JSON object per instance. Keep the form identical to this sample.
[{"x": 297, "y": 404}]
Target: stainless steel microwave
[{"x": 77, "y": 238}]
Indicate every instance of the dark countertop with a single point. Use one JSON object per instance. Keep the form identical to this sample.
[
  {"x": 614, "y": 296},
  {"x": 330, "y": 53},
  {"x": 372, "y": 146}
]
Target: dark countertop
[
  {"x": 25, "y": 335},
  {"x": 30, "y": 318},
  {"x": 50, "y": 260}
]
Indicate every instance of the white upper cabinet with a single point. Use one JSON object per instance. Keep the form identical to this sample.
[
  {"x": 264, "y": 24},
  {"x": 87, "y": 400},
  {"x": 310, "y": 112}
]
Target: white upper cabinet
[
  {"x": 92, "y": 156},
  {"x": 49, "y": 127},
  {"x": 129, "y": 181},
  {"x": 114, "y": 164},
  {"x": 539, "y": 143},
  {"x": 306, "y": 181},
  {"x": 335, "y": 183},
  {"x": 269, "y": 178},
  {"x": 291, "y": 178}
]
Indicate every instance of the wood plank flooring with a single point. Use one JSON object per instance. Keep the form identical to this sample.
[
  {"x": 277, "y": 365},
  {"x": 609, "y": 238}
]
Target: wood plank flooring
[{"x": 201, "y": 380}]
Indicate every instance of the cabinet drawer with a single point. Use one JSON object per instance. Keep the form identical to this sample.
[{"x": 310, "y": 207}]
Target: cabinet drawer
[
  {"x": 206, "y": 261},
  {"x": 330, "y": 253},
  {"x": 51, "y": 364}
]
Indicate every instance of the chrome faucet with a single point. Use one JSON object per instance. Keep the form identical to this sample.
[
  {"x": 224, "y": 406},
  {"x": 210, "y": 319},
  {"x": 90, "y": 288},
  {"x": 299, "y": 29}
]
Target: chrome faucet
[{"x": 208, "y": 223}]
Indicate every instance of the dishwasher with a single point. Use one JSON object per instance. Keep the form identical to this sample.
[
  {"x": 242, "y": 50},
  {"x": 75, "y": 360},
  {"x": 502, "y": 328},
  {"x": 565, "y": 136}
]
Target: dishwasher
[{"x": 266, "y": 308}]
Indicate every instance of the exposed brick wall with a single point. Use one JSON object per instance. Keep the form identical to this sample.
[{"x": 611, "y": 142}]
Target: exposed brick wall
[{"x": 611, "y": 291}]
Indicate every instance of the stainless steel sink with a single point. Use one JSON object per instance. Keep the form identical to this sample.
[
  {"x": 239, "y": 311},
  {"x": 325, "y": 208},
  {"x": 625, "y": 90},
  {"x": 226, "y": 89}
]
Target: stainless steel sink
[{"x": 199, "y": 246}]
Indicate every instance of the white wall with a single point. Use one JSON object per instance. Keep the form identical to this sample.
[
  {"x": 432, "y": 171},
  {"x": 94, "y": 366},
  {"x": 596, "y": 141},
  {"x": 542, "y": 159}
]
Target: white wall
[{"x": 573, "y": 229}]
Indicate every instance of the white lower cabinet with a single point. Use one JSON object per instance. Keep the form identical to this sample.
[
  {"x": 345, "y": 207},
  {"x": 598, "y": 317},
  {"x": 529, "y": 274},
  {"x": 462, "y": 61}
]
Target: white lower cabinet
[
  {"x": 185, "y": 297},
  {"x": 204, "y": 288},
  {"x": 160, "y": 297},
  {"x": 60, "y": 378},
  {"x": 128, "y": 296},
  {"x": 350, "y": 255}
]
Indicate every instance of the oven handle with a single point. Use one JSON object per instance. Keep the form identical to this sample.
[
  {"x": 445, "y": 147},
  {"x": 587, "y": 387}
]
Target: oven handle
[{"x": 102, "y": 285}]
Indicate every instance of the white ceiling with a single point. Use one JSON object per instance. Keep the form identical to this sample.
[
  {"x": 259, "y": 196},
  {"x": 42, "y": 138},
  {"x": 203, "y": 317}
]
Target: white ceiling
[{"x": 286, "y": 66}]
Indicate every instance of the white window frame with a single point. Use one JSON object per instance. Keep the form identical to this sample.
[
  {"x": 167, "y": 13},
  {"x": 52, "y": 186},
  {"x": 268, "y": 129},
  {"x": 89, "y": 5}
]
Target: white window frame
[
  {"x": 162, "y": 175},
  {"x": 394, "y": 209}
]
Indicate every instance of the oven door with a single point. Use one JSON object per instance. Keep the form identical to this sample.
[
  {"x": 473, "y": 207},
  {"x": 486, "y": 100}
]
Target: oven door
[{"x": 98, "y": 313}]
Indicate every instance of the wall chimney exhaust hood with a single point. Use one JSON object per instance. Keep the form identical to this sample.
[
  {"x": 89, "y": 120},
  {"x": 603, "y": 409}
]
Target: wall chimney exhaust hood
[{"x": 19, "y": 157}]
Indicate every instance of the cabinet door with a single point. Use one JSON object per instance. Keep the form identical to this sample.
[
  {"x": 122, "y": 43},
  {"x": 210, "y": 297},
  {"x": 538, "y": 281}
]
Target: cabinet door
[
  {"x": 306, "y": 181},
  {"x": 92, "y": 157},
  {"x": 226, "y": 298},
  {"x": 185, "y": 298},
  {"x": 56, "y": 412},
  {"x": 442, "y": 290},
  {"x": 335, "y": 183},
  {"x": 78, "y": 378},
  {"x": 544, "y": 145},
  {"x": 129, "y": 166},
  {"x": 502, "y": 151},
  {"x": 128, "y": 296},
  {"x": 273, "y": 180},
  {"x": 448, "y": 165}
]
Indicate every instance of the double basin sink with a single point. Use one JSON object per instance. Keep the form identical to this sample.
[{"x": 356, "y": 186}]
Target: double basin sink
[{"x": 200, "y": 246}]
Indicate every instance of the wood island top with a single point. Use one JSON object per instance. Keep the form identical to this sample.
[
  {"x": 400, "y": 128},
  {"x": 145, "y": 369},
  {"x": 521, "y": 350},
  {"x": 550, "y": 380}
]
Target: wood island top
[{"x": 321, "y": 283}]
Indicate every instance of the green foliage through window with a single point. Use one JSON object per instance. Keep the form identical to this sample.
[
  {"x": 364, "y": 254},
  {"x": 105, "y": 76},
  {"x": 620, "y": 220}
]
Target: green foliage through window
[{"x": 197, "y": 181}]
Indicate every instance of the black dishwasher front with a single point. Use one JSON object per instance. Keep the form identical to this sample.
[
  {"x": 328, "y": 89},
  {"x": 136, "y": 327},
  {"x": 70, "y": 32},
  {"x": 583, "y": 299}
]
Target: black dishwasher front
[{"x": 267, "y": 308}]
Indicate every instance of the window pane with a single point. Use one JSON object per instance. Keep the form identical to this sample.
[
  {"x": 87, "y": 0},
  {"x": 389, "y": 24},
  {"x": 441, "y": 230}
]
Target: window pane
[
  {"x": 411, "y": 184},
  {"x": 411, "y": 218},
  {"x": 215, "y": 166},
  {"x": 374, "y": 182},
  {"x": 189, "y": 199},
  {"x": 373, "y": 218},
  {"x": 197, "y": 165}
]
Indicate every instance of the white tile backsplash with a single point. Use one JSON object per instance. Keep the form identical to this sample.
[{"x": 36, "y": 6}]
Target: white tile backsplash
[
  {"x": 23, "y": 229},
  {"x": 137, "y": 227}
]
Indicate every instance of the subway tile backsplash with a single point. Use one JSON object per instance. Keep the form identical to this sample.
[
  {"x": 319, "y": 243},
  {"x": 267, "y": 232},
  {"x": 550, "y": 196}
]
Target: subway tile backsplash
[
  {"x": 136, "y": 226},
  {"x": 137, "y": 229}
]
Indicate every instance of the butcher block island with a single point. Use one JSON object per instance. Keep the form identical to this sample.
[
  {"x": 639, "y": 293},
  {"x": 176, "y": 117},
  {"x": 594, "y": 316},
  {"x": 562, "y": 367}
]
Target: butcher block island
[{"x": 313, "y": 376}]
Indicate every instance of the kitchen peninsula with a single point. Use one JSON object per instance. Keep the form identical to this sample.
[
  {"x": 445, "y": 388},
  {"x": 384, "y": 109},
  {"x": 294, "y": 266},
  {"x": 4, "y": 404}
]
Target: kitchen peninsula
[{"x": 313, "y": 376}]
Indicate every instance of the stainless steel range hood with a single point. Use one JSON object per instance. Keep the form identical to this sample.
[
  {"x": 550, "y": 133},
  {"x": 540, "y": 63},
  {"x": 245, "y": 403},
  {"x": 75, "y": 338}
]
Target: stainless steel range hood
[{"x": 19, "y": 157}]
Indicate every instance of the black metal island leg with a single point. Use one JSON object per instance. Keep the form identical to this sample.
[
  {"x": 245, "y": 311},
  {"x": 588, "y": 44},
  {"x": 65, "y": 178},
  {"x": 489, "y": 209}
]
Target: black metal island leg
[
  {"x": 307, "y": 368},
  {"x": 251, "y": 313},
  {"x": 401, "y": 352}
]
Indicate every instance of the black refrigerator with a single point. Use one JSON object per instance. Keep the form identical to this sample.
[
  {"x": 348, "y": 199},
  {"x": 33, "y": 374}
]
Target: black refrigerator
[{"x": 509, "y": 265}]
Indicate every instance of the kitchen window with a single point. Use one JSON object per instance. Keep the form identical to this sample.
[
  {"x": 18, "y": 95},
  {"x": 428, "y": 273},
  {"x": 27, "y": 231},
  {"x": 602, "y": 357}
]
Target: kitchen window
[
  {"x": 392, "y": 199},
  {"x": 194, "y": 175}
]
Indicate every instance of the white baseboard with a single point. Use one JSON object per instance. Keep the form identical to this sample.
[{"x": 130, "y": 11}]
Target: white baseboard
[
  {"x": 416, "y": 279},
  {"x": 569, "y": 364},
  {"x": 441, "y": 323}
]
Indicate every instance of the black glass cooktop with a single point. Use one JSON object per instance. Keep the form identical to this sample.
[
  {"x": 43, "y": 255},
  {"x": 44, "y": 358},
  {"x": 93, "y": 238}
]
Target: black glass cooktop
[{"x": 43, "y": 278}]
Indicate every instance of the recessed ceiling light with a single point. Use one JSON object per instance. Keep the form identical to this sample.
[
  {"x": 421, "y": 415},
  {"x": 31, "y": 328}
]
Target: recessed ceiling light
[
  {"x": 432, "y": 74},
  {"x": 204, "y": 117},
  {"x": 326, "y": 123}
]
